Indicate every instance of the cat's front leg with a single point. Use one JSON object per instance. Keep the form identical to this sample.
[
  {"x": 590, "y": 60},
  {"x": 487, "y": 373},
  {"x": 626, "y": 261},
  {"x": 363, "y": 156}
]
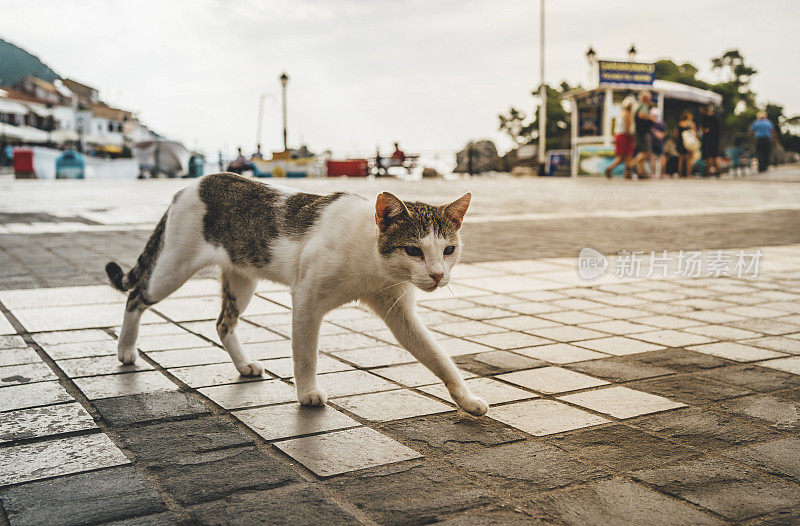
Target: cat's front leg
[
  {"x": 398, "y": 311},
  {"x": 306, "y": 321}
]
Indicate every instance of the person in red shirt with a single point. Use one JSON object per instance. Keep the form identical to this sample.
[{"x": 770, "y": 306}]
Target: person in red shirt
[{"x": 398, "y": 157}]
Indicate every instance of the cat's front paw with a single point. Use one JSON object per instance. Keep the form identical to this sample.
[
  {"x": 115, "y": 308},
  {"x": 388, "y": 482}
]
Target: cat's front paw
[
  {"x": 250, "y": 369},
  {"x": 127, "y": 356},
  {"x": 313, "y": 397},
  {"x": 474, "y": 406}
]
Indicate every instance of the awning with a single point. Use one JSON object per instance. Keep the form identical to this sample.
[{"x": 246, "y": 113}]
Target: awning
[
  {"x": 63, "y": 135},
  {"x": 675, "y": 90},
  {"x": 23, "y": 133},
  {"x": 12, "y": 106}
]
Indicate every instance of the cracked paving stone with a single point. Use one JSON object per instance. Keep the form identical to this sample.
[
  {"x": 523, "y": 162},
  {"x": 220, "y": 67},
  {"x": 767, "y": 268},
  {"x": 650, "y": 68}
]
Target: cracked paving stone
[
  {"x": 619, "y": 369},
  {"x": 751, "y": 376},
  {"x": 705, "y": 429},
  {"x": 146, "y": 407},
  {"x": 734, "y": 491},
  {"x": 452, "y": 433},
  {"x": 621, "y": 448},
  {"x": 779, "y": 457},
  {"x": 295, "y": 504},
  {"x": 680, "y": 360},
  {"x": 410, "y": 494},
  {"x": 525, "y": 466},
  {"x": 44, "y": 421},
  {"x": 690, "y": 389},
  {"x": 780, "y": 411},
  {"x": 616, "y": 501},
  {"x": 86, "y": 498}
]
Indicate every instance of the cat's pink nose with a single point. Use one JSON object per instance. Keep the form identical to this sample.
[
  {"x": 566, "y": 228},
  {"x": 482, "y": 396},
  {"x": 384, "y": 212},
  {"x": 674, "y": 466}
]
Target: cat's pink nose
[{"x": 436, "y": 277}]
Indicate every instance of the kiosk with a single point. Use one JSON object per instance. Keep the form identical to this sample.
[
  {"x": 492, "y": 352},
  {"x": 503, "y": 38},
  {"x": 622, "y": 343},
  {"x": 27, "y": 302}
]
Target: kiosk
[{"x": 594, "y": 110}]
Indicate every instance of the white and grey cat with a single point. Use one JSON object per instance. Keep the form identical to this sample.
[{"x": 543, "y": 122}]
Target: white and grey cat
[{"x": 328, "y": 249}]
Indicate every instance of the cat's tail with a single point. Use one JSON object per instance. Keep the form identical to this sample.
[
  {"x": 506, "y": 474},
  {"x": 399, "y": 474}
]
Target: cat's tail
[{"x": 144, "y": 264}]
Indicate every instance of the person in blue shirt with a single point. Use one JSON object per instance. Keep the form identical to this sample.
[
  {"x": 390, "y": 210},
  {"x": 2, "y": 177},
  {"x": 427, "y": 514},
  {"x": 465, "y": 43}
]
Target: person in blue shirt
[{"x": 763, "y": 131}]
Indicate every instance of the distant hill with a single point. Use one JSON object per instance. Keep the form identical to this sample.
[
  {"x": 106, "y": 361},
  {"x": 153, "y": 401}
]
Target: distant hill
[{"x": 16, "y": 64}]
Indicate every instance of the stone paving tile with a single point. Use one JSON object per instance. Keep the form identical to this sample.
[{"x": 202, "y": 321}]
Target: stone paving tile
[
  {"x": 60, "y": 297},
  {"x": 732, "y": 490},
  {"x": 44, "y": 421},
  {"x": 112, "y": 494},
  {"x": 776, "y": 343},
  {"x": 527, "y": 466},
  {"x": 147, "y": 407},
  {"x": 293, "y": 504},
  {"x": 5, "y": 327},
  {"x": 692, "y": 389},
  {"x": 466, "y": 328},
  {"x": 672, "y": 338},
  {"x": 284, "y": 367},
  {"x": 410, "y": 493},
  {"x": 67, "y": 351},
  {"x": 492, "y": 391},
  {"x": 100, "y": 365},
  {"x": 618, "y": 345},
  {"x": 208, "y": 375},
  {"x": 352, "y": 382},
  {"x": 124, "y": 384},
  {"x": 12, "y": 342},
  {"x": 781, "y": 411},
  {"x": 79, "y": 336},
  {"x": 621, "y": 402},
  {"x": 412, "y": 375},
  {"x": 617, "y": 327},
  {"x": 24, "y": 374},
  {"x": 269, "y": 350},
  {"x": 667, "y": 322},
  {"x": 344, "y": 342},
  {"x": 552, "y": 380},
  {"x": 508, "y": 340},
  {"x": 75, "y": 317},
  {"x": 250, "y": 394},
  {"x": 291, "y": 420},
  {"x": 503, "y": 361},
  {"x": 391, "y": 405},
  {"x": 618, "y": 369},
  {"x": 18, "y": 356},
  {"x": 776, "y": 457},
  {"x": 681, "y": 360},
  {"x": 621, "y": 448},
  {"x": 573, "y": 317},
  {"x": 566, "y": 333},
  {"x": 189, "y": 357},
  {"x": 544, "y": 417},
  {"x": 58, "y": 457},
  {"x": 165, "y": 342},
  {"x": 615, "y": 501},
  {"x": 457, "y": 347},
  {"x": 751, "y": 376},
  {"x": 765, "y": 326},
  {"x": 521, "y": 323},
  {"x": 32, "y": 395},
  {"x": 789, "y": 365},
  {"x": 333, "y": 453},
  {"x": 560, "y": 353},
  {"x": 377, "y": 356},
  {"x": 736, "y": 351},
  {"x": 705, "y": 429},
  {"x": 722, "y": 332}
]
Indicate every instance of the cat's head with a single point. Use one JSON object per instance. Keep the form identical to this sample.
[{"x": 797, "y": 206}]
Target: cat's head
[{"x": 417, "y": 241}]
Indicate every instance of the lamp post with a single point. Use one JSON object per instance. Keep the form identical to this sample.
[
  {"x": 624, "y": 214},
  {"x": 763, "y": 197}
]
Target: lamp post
[
  {"x": 591, "y": 57},
  {"x": 542, "y": 89},
  {"x": 284, "y": 81},
  {"x": 632, "y": 53}
]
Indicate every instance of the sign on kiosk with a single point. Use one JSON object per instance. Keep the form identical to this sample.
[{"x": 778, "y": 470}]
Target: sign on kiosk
[{"x": 613, "y": 73}]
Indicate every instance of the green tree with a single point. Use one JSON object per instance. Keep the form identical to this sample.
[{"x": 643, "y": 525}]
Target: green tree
[
  {"x": 685, "y": 73},
  {"x": 523, "y": 129}
]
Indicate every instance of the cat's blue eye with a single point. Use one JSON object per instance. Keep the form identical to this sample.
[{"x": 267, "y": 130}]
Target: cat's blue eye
[
  {"x": 414, "y": 252},
  {"x": 449, "y": 250}
]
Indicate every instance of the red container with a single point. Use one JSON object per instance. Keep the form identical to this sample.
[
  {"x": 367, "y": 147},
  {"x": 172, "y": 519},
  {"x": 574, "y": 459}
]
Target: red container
[
  {"x": 348, "y": 168},
  {"x": 23, "y": 164}
]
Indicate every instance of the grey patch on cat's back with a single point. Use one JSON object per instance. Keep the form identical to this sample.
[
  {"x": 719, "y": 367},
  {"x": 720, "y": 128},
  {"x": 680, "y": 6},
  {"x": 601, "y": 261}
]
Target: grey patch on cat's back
[
  {"x": 241, "y": 216},
  {"x": 302, "y": 210}
]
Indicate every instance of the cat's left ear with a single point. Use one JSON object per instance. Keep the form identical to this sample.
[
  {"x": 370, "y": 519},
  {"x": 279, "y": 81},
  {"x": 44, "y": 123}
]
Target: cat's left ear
[
  {"x": 455, "y": 211},
  {"x": 388, "y": 208}
]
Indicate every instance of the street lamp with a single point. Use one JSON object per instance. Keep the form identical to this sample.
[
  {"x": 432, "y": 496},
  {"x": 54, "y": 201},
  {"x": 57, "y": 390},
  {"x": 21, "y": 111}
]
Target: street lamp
[
  {"x": 591, "y": 55},
  {"x": 542, "y": 90},
  {"x": 632, "y": 53},
  {"x": 284, "y": 81}
]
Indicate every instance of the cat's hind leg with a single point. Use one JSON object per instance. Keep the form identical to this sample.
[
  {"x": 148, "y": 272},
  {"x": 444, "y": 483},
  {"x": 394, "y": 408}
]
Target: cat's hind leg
[{"x": 237, "y": 290}]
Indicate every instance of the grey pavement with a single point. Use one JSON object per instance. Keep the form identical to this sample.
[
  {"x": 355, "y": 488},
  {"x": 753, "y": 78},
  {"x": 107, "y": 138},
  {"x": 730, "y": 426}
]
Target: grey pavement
[{"x": 650, "y": 395}]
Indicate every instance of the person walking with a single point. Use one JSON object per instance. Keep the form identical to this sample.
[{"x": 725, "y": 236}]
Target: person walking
[
  {"x": 709, "y": 124},
  {"x": 623, "y": 139},
  {"x": 643, "y": 140},
  {"x": 659, "y": 134},
  {"x": 686, "y": 143},
  {"x": 764, "y": 132}
]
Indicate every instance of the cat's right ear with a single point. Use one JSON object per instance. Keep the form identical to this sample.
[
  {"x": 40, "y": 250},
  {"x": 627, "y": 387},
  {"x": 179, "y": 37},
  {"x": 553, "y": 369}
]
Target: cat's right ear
[{"x": 387, "y": 209}]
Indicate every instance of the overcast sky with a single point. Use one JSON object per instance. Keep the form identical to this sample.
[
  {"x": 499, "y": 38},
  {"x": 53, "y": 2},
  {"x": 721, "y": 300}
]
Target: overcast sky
[{"x": 431, "y": 74}]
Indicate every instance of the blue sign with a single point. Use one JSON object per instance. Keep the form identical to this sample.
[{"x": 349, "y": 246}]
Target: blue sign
[{"x": 614, "y": 73}]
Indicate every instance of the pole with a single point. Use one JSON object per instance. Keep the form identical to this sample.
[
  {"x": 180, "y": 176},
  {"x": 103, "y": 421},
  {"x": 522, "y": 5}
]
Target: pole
[
  {"x": 542, "y": 89},
  {"x": 283, "y": 91},
  {"x": 260, "y": 119}
]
